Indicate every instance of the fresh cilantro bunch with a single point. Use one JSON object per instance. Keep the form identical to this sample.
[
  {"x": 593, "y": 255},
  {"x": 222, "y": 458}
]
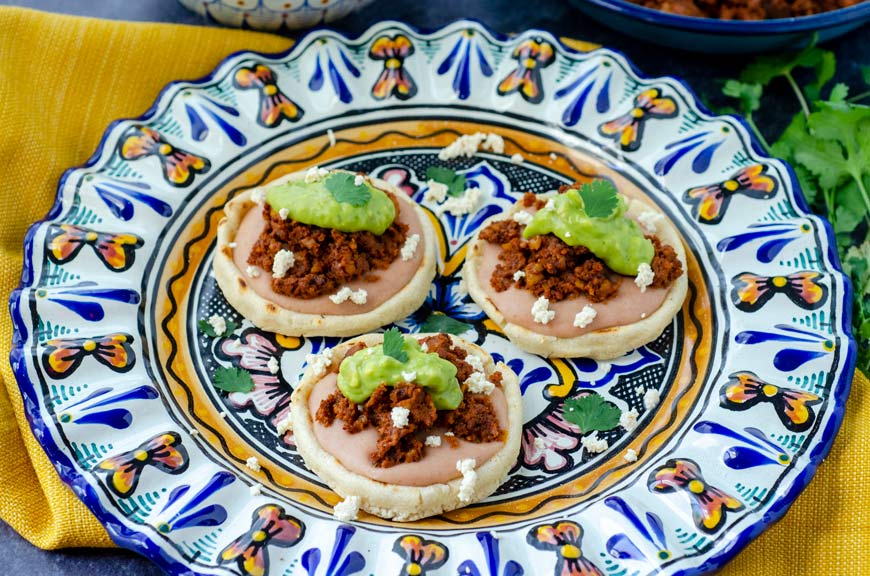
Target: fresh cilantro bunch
[{"x": 828, "y": 145}]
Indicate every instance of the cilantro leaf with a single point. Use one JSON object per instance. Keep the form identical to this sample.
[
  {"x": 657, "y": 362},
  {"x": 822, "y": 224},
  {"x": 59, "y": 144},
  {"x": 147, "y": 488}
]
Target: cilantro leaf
[
  {"x": 600, "y": 199},
  {"x": 839, "y": 92},
  {"x": 394, "y": 345},
  {"x": 749, "y": 95},
  {"x": 342, "y": 187},
  {"x": 444, "y": 323},
  {"x": 592, "y": 412},
  {"x": 455, "y": 182},
  {"x": 233, "y": 380},
  {"x": 208, "y": 329},
  {"x": 765, "y": 68}
]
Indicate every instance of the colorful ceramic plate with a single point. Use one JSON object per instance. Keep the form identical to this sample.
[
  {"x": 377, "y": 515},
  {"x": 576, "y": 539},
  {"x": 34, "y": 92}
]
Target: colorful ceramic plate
[{"x": 739, "y": 399}]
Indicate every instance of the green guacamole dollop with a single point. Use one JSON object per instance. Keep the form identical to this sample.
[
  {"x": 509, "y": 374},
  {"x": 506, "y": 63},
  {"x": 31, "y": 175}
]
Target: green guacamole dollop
[
  {"x": 312, "y": 203},
  {"x": 616, "y": 239},
  {"x": 359, "y": 375}
]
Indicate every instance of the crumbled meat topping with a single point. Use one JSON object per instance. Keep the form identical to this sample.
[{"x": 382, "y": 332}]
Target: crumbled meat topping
[
  {"x": 474, "y": 420},
  {"x": 746, "y": 9},
  {"x": 547, "y": 267},
  {"x": 323, "y": 259}
]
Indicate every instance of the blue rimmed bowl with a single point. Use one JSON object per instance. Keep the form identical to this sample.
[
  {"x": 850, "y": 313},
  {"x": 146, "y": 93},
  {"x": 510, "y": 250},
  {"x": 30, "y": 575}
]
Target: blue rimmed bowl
[
  {"x": 715, "y": 36},
  {"x": 273, "y": 15}
]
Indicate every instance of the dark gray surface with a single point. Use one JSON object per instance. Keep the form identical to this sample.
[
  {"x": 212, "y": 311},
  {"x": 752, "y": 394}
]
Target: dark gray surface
[{"x": 700, "y": 71}]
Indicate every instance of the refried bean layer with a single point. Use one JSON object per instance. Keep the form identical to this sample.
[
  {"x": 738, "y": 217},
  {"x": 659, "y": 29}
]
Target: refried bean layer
[
  {"x": 553, "y": 269},
  {"x": 474, "y": 420},
  {"x": 325, "y": 259}
]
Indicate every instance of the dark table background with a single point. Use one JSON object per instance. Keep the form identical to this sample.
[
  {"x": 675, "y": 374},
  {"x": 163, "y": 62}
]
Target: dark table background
[{"x": 702, "y": 72}]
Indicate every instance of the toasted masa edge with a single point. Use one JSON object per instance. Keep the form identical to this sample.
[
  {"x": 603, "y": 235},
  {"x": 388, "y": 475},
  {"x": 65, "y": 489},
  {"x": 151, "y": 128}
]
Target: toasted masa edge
[
  {"x": 603, "y": 344},
  {"x": 398, "y": 502},
  {"x": 269, "y": 316}
]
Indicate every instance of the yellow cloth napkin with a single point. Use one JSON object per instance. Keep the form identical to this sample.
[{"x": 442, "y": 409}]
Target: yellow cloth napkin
[{"x": 64, "y": 79}]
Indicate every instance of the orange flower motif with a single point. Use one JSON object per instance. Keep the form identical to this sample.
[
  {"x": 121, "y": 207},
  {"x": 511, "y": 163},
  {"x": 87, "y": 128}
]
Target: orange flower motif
[
  {"x": 270, "y": 526},
  {"x": 793, "y": 407},
  {"x": 394, "y": 80},
  {"x": 420, "y": 555},
  {"x": 531, "y": 56},
  {"x": 752, "y": 291},
  {"x": 709, "y": 203},
  {"x": 179, "y": 166},
  {"x": 116, "y": 251},
  {"x": 564, "y": 538},
  {"x": 164, "y": 452},
  {"x": 62, "y": 356},
  {"x": 275, "y": 107},
  {"x": 628, "y": 128}
]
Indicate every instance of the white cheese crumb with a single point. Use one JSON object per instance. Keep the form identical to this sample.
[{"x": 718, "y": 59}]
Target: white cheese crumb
[
  {"x": 553, "y": 156},
  {"x": 273, "y": 365},
  {"x": 539, "y": 444},
  {"x": 651, "y": 398},
  {"x": 258, "y": 196},
  {"x": 475, "y": 362},
  {"x": 628, "y": 420},
  {"x": 630, "y": 455},
  {"x": 433, "y": 441},
  {"x": 585, "y": 317},
  {"x": 645, "y": 276},
  {"x": 233, "y": 244},
  {"x": 252, "y": 271},
  {"x": 451, "y": 434},
  {"x": 356, "y": 296},
  {"x": 593, "y": 444},
  {"x": 478, "y": 384},
  {"x": 469, "y": 478},
  {"x": 256, "y": 489},
  {"x": 399, "y": 416},
  {"x": 424, "y": 347},
  {"x": 494, "y": 143},
  {"x": 541, "y": 312},
  {"x": 283, "y": 261},
  {"x": 285, "y": 425},
  {"x": 331, "y": 135},
  {"x": 517, "y": 158},
  {"x": 524, "y": 217},
  {"x": 319, "y": 362},
  {"x": 518, "y": 275},
  {"x": 459, "y": 205},
  {"x": 409, "y": 248},
  {"x": 648, "y": 221},
  {"x": 218, "y": 323},
  {"x": 253, "y": 463},
  {"x": 359, "y": 180},
  {"x": 468, "y": 144},
  {"x": 437, "y": 192},
  {"x": 283, "y": 213},
  {"x": 315, "y": 173},
  {"x": 347, "y": 509},
  {"x": 194, "y": 432},
  {"x": 224, "y": 415},
  {"x": 639, "y": 389},
  {"x": 409, "y": 376},
  {"x": 642, "y": 315}
]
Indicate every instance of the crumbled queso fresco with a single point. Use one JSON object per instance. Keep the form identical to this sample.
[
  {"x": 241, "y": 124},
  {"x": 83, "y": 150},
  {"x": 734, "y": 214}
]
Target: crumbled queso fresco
[
  {"x": 478, "y": 384},
  {"x": 410, "y": 247},
  {"x": 218, "y": 323},
  {"x": 468, "y": 144},
  {"x": 273, "y": 365},
  {"x": 315, "y": 174},
  {"x": 437, "y": 192},
  {"x": 347, "y": 509},
  {"x": 399, "y": 416},
  {"x": 258, "y": 196},
  {"x": 283, "y": 213},
  {"x": 459, "y": 205},
  {"x": 409, "y": 376},
  {"x": 630, "y": 455},
  {"x": 517, "y": 158},
  {"x": 283, "y": 261},
  {"x": 593, "y": 444},
  {"x": 320, "y": 362},
  {"x": 252, "y": 271},
  {"x": 433, "y": 441},
  {"x": 285, "y": 425},
  {"x": 651, "y": 398},
  {"x": 518, "y": 275},
  {"x": 356, "y": 296},
  {"x": 253, "y": 464},
  {"x": 524, "y": 217},
  {"x": 469, "y": 478},
  {"x": 585, "y": 317},
  {"x": 475, "y": 362},
  {"x": 628, "y": 420},
  {"x": 648, "y": 221},
  {"x": 541, "y": 312},
  {"x": 645, "y": 276},
  {"x": 359, "y": 180}
]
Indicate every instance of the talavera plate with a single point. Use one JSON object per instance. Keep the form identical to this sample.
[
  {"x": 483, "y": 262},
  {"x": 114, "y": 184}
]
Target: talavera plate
[{"x": 752, "y": 375}]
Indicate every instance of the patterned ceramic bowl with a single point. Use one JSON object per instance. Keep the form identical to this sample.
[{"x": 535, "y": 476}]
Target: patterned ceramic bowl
[
  {"x": 722, "y": 36},
  {"x": 273, "y": 14}
]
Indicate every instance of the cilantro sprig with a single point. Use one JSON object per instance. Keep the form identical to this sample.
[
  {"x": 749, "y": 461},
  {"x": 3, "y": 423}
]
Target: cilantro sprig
[
  {"x": 233, "y": 380},
  {"x": 600, "y": 198},
  {"x": 828, "y": 144},
  {"x": 208, "y": 329},
  {"x": 444, "y": 323},
  {"x": 592, "y": 412},
  {"x": 394, "y": 345},
  {"x": 455, "y": 182},
  {"x": 344, "y": 189}
]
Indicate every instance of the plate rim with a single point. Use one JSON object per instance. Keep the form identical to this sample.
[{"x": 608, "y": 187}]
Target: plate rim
[{"x": 141, "y": 543}]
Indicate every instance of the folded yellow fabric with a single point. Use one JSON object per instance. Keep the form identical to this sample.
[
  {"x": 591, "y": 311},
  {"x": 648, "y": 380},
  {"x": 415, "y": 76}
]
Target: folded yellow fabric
[{"x": 64, "y": 79}]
